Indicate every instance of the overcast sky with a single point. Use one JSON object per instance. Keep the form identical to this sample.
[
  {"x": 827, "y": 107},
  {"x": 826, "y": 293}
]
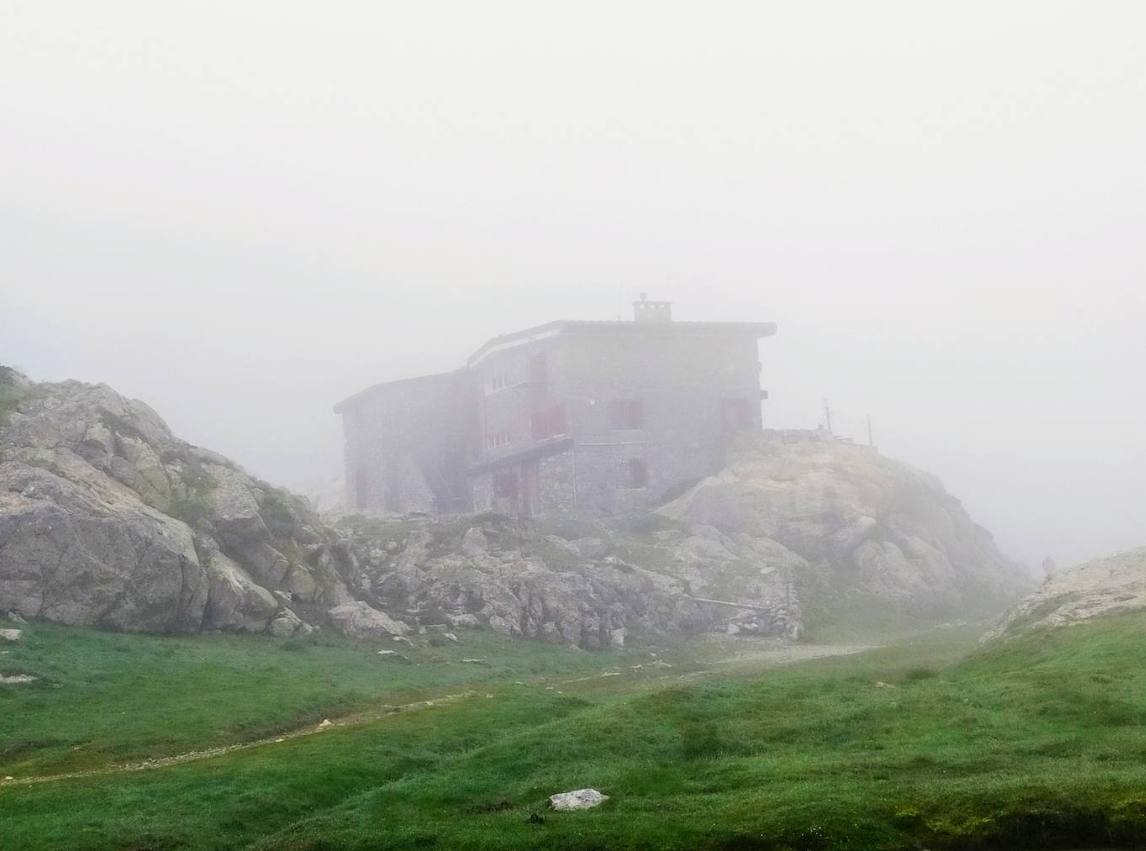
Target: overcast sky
[{"x": 244, "y": 211}]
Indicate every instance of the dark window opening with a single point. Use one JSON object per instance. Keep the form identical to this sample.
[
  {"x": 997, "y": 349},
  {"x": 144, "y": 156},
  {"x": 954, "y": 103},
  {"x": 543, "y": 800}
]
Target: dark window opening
[
  {"x": 505, "y": 485},
  {"x": 549, "y": 423},
  {"x": 500, "y": 380},
  {"x": 627, "y": 413},
  {"x": 638, "y": 473},
  {"x": 497, "y": 439}
]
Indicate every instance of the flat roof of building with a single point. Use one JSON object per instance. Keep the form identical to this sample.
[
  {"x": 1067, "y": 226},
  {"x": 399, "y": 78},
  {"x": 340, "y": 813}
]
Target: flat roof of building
[
  {"x": 566, "y": 326},
  {"x": 350, "y": 401}
]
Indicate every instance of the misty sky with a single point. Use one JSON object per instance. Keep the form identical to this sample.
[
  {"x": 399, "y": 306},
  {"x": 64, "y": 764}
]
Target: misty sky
[{"x": 243, "y": 211}]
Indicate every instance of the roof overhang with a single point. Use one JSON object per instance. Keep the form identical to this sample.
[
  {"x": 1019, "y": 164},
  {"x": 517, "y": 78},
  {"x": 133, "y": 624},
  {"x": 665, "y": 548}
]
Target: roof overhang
[
  {"x": 541, "y": 450},
  {"x": 374, "y": 389}
]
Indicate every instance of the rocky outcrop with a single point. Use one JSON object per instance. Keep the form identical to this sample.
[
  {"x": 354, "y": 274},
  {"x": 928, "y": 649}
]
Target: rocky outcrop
[
  {"x": 853, "y": 528},
  {"x": 108, "y": 519},
  {"x": 518, "y": 580},
  {"x": 361, "y": 620},
  {"x": 1102, "y": 587}
]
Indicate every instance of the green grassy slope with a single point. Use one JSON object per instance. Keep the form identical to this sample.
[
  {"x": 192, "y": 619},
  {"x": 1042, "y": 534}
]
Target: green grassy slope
[
  {"x": 107, "y": 697},
  {"x": 1037, "y": 743}
]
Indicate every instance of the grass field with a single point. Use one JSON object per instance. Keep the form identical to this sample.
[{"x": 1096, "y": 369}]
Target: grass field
[{"x": 928, "y": 743}]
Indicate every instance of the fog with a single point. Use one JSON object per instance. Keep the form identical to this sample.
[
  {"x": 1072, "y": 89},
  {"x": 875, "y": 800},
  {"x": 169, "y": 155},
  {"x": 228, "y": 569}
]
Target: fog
[{"x": 243, "y": 212}]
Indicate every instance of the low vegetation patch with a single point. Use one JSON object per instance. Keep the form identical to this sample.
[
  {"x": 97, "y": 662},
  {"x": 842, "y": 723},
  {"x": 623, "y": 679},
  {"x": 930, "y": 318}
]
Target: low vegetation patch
[{"x": 928, "y": 743}]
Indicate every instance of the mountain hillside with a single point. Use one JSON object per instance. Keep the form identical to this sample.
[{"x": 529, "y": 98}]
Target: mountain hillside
[
  {"x": 108, "y": 519},
  {"x": 856, "y": 529},
  {"x": 1105, "y": 586}
]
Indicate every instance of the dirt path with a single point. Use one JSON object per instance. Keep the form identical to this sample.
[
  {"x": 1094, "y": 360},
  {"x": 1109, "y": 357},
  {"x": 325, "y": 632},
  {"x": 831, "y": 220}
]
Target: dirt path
[
  {"x": 770, "y": 657},
  {"x": 354, "y": 720},
  {"x": 795, "y": 653}
]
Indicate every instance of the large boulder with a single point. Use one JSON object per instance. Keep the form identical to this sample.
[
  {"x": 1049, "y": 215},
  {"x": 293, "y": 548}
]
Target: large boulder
[
  {"x": 852, "y": 527},
  {"x": 108, "y": 519},
  {"x": 361, "y": 620}
]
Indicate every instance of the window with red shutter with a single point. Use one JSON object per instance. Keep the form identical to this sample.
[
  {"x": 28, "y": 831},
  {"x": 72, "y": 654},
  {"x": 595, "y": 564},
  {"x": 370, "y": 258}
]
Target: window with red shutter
[{"x": 550, "y": 422}]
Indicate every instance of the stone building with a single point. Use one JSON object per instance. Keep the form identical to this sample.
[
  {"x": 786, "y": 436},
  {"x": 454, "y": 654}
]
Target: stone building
[{"x": 583, "y": 416}]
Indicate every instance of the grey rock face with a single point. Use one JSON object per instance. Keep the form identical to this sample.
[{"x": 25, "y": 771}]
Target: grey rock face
[
  {"x": 362, "y": 620},
  {"x": 108, "y": 519},
  {"x": 1105, "y": 586},
  {"x": 523, "y": 582},
  {"x": 845, "y": 523}
]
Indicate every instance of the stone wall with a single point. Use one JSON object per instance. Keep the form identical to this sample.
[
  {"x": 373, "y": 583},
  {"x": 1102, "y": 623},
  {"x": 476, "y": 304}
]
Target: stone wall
[
  {"x": 558, "y": 483},
  {"x": 406, "y": 446}
]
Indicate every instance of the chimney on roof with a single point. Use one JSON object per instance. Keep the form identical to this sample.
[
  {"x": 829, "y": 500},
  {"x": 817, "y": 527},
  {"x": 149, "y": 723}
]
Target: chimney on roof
[{"x": 652, "y": 311}]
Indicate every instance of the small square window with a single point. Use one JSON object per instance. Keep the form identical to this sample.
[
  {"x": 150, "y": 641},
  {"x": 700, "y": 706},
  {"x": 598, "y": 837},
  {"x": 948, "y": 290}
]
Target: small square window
[{"x": 549, "y": 423}]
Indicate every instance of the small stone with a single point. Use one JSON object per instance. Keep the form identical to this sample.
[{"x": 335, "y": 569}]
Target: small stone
[
  {"x": 326, "y": 722},
  {"x": 580, "y": 799},
  {"x": 11, "y": 634},
  {"x": 463, "y": 620}
]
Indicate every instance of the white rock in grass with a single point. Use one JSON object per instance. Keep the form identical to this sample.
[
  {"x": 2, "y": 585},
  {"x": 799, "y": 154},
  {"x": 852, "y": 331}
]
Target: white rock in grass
[
  {"x": 581, "y": 799},
  {"x": 11, "y": 634}
]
